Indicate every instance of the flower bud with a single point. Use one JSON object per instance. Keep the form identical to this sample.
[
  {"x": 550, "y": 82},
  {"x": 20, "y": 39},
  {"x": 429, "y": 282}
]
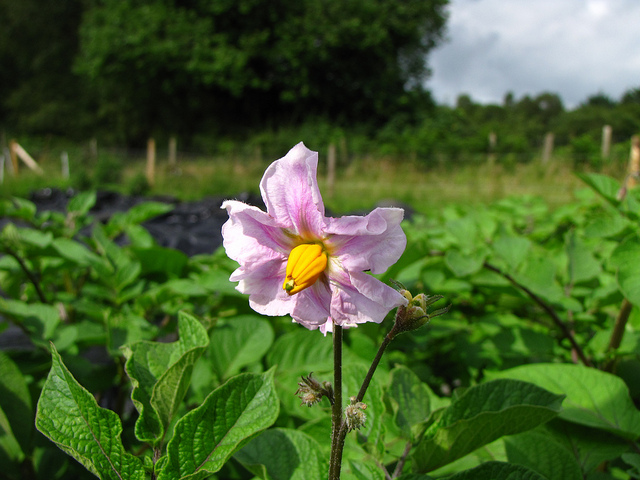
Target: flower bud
[
  {"x": 415, "y": 314},
  {"x": 311, "y": 391},
  {"x": 354, "y": 414}
]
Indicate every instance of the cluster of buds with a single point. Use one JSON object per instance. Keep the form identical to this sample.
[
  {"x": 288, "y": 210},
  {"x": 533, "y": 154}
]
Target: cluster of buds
[
  {"x": 414, "y": 315},
  {"x": 354, "y": 414},
  {"x": 311, "y": 391}
]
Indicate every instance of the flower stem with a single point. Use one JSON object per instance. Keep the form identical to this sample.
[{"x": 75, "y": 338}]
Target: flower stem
[
  {"x": 339, "y": 428},
  {"x": 335, "y": 462},
  {"x": 374, "y": 365}
]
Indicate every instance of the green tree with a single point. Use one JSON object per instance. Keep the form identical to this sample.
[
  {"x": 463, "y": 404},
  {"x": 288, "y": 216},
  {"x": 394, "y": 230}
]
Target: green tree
[
  {"x": 178, "y": 65},
  {"x": 38, "y": 43}
]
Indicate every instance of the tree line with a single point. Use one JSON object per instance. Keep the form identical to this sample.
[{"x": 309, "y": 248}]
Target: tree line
[
  {"x": 262, "y": 72},
  {"x": 129, "y": 69}
]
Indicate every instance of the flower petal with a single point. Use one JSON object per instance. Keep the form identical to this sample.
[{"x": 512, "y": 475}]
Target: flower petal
[
  {"x": 251, "y": 235},
  {"x": 358, "y": 298},
  {"x": 263, "y": 283},
  {"x": 312, "y": 305},
  {"x": 290, "y": 191},
  {"x": 374, "y": 242}
]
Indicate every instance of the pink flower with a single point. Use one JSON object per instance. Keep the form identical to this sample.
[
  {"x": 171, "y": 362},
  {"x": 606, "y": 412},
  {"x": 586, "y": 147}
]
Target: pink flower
[{"x": 295, "y": 261}]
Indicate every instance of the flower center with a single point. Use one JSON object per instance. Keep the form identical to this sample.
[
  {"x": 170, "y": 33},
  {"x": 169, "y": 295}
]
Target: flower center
[{"x": 305, "y": 265}]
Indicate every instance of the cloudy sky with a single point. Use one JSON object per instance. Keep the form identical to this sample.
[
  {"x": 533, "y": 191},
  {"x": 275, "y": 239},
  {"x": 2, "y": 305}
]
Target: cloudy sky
[{"x": 575, "y": 48}]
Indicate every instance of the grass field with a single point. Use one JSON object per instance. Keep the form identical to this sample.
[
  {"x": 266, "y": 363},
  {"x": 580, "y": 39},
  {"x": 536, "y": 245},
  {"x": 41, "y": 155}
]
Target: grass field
[{"x": 359, "y": 185}]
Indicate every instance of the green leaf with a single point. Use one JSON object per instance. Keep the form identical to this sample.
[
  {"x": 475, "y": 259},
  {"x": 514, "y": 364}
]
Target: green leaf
[
  {"x": 15, "y": 401},
  {"x": 411, "y": 398},
  {"x": 297, "y": 353},
  {"x": 81, "y": 203},
  {"x": 70, "y": 417},
  {"x": 540, "y": 452},
  {"x": 480, "y": 415},
  {"x": 582, "y": 264},
  {"x": 284, "y": 454},
  {"x": 513, "y": 250},
  {"x": 35, "y": 238},
  {"x": 594, "y": 398},
  {"x": 625, "y": 260},
  {"x": 205, "y": 438},
  {"x": 81, "y": 255},
  {"x": 11, "y": 455},
  {"x": 606, "y": 186},
  {"x": 237, "y": 342},
  {"x": 463, "y": 264},
  {"x": 161, "y": 260},
  {"x": 497, "y": 471},
  {"x": 160, "y": 374},
  {"x": 589, "y": 446},
  {"x": 140, "y": 213},
  {"x": 364, "y": 471},
  {"x": 539, "y": 275},
  {"x": 40, "y": 319}
]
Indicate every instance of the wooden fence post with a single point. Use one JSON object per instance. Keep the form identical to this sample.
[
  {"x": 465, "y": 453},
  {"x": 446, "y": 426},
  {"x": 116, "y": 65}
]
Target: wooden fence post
[
  {"x": 173, "y": 152},
  {"x": 151, "y": 161},
  {"x": 331, "y": 169},
  {"x": 18, "y": 151},
  {"x": 1, "y": 169},
  {"x": 547, "y": 150},
  {"x": 14, "y": 157},
  {"x": 64, "y": 161},
  {"x": 606, "y": 141}
]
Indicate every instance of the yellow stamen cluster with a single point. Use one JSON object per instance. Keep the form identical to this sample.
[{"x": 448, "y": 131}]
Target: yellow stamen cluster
[{"x": 306, "y": 264}]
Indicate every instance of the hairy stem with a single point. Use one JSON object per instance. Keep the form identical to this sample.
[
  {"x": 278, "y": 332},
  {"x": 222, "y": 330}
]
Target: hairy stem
[
  {"x": 339, "y": 430},
  {"x": 335, "y": 462},
  {"x": 374, "y": 364}
]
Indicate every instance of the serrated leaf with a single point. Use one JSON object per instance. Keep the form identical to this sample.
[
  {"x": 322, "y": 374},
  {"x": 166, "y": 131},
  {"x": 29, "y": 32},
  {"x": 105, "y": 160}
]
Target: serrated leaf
[
  {"x": 160, "y": 374},
  {"x": 480, "y": 415},
  {"x": 594, "y": 398},
  {"x": 626, "y": 259},
  {"x": 497, "y": 471},
  {"x": 540, "y": 452},
  {"x": 205, "y": 438},
  {"x": 15, "y": 401},
  {"x": 412, "y": 400},
  {"x": 237, "y": 342},
  {"x": 284, "y": 454},
  {"x": 70, "y": 417}
]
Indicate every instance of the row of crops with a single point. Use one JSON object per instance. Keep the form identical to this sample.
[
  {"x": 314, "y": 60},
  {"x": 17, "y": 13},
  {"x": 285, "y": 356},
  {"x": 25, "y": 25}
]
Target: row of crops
[{"x": 141, "y": 362}]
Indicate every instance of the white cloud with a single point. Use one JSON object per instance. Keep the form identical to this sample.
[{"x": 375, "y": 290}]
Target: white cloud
[{"x": 575, "y": 48}]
